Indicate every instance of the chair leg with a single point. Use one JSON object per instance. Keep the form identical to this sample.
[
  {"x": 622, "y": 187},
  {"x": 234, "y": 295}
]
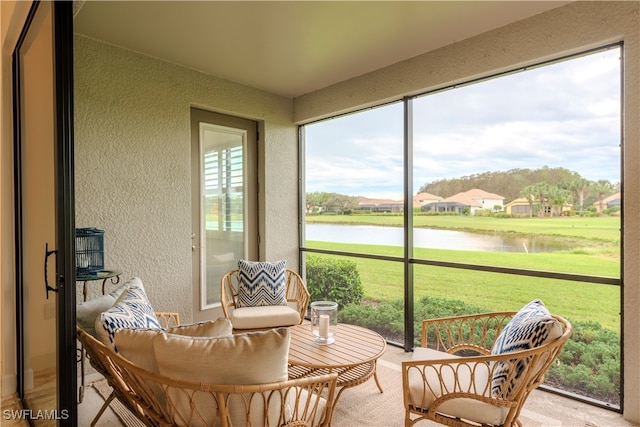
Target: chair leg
[{"x": 103, "y": 408}]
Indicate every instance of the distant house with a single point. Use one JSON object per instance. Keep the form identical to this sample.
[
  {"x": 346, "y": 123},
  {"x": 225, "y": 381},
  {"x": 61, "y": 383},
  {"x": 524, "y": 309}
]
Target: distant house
[
  {"x": 608, "y": 203},
  {"x": 422, "y": 199},
  {"x": 380, "y": 205},
  {"x": 395, "y": 206},
  {"x": 520, "y": 206},
  {"x": 473, "y": 200}
]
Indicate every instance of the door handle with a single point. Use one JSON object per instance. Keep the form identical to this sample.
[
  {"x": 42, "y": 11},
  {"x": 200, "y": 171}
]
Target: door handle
[{"x": 46, "y": 280}]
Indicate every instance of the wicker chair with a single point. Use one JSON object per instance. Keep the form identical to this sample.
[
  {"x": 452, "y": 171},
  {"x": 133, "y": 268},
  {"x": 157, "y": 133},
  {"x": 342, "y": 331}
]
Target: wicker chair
[
  {"x": 160, "y": 401},
  {"x": 453, "y": 384},
  {"x": 297, "y": 299}
]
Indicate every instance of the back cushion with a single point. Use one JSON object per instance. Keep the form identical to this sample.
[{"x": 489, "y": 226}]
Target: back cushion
[
  {"x": 531, "y": 327},
  {"x": 248, "y": 358},
  {"x": 220, "y": 327},
  {"x": 136, "y": 345},
  {"x": 132, "y": 310},
  {"x": 261, "y": 283}
]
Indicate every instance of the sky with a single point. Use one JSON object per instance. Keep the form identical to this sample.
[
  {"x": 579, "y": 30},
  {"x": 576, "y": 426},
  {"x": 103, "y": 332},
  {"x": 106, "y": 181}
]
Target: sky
[{"x": 566, "y": 114}]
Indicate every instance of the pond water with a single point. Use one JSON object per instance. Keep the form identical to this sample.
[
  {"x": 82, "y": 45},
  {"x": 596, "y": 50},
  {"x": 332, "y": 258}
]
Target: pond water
[{"x": 433, "y": 239}]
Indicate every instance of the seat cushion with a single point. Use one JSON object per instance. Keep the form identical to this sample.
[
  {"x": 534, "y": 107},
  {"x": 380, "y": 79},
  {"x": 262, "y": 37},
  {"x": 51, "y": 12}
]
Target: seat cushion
[
  {"x": 425, "y": 387},
  {"x": 531, "y": 327},
  {"x": 131, "y": 310},
  {"x": 261, "y": 283},
  {"x": 264, "y": 317}
]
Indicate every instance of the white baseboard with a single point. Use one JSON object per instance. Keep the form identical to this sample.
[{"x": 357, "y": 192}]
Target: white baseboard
[{"x": 9, "y": 385}]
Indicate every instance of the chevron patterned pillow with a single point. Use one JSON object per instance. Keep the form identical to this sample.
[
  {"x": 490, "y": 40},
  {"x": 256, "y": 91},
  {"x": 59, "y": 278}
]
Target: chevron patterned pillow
[
  {"x": 131, "y": 310},
  {"x": 262, "y": 283},
  {"x": 531, "y": 327}
]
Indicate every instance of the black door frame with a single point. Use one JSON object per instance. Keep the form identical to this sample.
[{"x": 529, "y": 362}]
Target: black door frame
[{"x": 65, "y": 209}]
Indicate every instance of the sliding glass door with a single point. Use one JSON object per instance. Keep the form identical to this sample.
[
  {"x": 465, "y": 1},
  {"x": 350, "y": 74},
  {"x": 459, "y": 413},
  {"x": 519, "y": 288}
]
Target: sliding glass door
[{"x": 45, "y": 282}]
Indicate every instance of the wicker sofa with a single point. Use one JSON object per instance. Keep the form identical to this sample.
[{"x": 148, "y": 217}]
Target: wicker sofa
[{"x": 198, "y": 374}]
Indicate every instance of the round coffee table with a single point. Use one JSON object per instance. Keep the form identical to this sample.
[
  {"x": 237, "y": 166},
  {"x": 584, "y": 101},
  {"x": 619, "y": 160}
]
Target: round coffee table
[{"x": 353, "y": 355}]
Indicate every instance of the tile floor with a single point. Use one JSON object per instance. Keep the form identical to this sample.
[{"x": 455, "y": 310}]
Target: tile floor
[{"x": 542, "y": 408}]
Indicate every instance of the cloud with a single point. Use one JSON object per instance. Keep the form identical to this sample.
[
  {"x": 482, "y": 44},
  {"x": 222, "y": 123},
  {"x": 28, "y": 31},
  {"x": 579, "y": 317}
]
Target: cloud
[{"x": 562, "y": 115}]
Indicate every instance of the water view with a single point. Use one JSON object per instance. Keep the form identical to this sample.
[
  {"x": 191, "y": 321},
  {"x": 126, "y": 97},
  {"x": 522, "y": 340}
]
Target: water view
[{"x": 433, "y": 239}]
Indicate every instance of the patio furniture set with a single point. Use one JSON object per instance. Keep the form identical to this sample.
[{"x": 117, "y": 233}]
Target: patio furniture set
[{"x": 261, "y": 365}]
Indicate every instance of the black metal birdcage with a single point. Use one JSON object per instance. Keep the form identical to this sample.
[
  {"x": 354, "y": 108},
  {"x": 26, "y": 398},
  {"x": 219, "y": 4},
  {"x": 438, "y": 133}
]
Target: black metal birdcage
[{"x": 89, "y": 251}]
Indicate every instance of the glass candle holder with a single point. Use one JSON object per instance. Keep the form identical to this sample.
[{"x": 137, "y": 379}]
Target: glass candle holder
[{"x": 324, "y": 319}]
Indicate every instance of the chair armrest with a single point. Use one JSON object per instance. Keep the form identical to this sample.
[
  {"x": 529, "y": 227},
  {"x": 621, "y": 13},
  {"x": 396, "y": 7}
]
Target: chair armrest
[
  {"x": 470, "y": 377},
  {"x": 229, "y": 292},
  {"x": 297, "y": 292}
]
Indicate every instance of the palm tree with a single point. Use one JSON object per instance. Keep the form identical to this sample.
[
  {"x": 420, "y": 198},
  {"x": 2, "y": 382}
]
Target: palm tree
[
  {"x": 580, "y": 186},
  {"x": 602, "y": 187},
  {"x": 529, "y": 193}
]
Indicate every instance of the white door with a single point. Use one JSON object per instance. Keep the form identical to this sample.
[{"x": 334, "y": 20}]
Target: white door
[{"x": 224, "y": 200}]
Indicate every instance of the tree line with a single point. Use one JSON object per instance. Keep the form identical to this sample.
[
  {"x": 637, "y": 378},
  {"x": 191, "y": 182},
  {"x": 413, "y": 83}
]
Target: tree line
[{"x": 551, "y": 188}]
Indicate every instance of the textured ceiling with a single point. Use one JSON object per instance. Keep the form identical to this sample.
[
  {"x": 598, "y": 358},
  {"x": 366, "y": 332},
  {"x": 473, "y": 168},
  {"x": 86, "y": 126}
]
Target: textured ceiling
[{"x": 294, "y": 47}]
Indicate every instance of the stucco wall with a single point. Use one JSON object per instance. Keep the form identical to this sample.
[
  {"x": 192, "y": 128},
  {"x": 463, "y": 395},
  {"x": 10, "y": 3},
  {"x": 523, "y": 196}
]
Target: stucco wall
[
  {"x": 132, "y": 135},
  {"x": 570, "y": 29}
]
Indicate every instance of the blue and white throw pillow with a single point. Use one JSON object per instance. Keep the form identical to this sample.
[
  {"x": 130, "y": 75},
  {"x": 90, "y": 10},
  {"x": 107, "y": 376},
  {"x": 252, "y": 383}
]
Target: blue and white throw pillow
[
  {"x": 261, "y": 283},
  {"x": 531, "y": 327},
  {"x": 132, "y": 310}
]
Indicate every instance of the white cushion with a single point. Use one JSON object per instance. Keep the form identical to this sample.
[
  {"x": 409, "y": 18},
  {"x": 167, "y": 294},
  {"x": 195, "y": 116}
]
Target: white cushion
[
  {"x": 304, "y": 399},
  {"x": 261, "y": 283},
  {"x": 247, "y": 358},
  {"x": 88, "y": 311},
  {"x": 131, "y": 310},
  {"x": 531, "y": 327},
  {"x": 423, "y": 392},
  {"x": 220, "y": 327},
  {"x": 136, "y": 345},
  {"x": 264, "y": 317}
]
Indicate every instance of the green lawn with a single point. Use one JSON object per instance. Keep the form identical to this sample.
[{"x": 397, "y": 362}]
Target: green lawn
[{"x": 383, "y": 280}]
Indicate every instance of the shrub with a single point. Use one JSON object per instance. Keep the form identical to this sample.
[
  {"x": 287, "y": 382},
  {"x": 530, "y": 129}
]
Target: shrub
[
  {"x": 336, "y": 280},
  {"x": 589, "y": 363},
  {"x": 387, "y": 318}
]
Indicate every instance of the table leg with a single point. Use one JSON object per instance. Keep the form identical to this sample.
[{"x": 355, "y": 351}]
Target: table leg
[
  {"x": 375, "y": 376},
  {"x": 114, "y": 281}
]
